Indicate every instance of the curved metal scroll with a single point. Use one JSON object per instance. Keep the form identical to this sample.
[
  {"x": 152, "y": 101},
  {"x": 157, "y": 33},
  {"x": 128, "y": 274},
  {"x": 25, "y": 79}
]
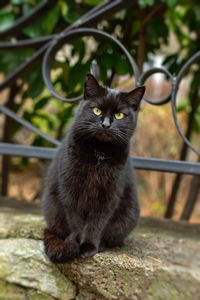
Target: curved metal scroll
[
  {"x": 147, "y": 74},
  {"x": 65, "y": 38},
  {"x": 48, "y": 45},
  {"x": 182, "y": 72},
  {"x": 57, "y": 43}
]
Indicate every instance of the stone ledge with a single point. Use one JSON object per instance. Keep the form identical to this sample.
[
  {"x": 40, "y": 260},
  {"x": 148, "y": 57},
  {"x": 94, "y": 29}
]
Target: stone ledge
[{"x": 160, "y": 260}]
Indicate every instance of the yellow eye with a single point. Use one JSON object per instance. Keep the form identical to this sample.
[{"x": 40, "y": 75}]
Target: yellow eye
[
  {"x": 119, "y": 116},
  {"x": 97, "y": 111}
]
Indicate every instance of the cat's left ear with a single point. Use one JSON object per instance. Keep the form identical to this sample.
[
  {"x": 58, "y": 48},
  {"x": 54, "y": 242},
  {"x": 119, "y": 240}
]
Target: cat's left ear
[
  {"x": 135, "y": 96},
  {"x": 92, "y": 88}
]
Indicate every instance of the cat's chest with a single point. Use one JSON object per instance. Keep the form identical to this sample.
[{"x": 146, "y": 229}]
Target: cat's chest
[
  {"x": 89, "y": 186},
  {"x": 93, "y": 171},
  {"x": 91, "y": 158},
  {"x": 101, "y": 158},
  {"x": 96, "y": 172},
  {"x": 90, "y": 178},
  {"x": 91, "y": 168}
]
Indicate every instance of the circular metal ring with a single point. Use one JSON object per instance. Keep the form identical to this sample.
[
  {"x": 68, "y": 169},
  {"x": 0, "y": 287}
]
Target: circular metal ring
[
  {"x": 63, "y": 39},
  {"x": 181, "y": 73},
  {"x": 148, "y": 73}
]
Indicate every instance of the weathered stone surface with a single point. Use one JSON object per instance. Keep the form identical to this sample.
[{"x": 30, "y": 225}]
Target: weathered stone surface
[
  {"x": 152, "y": 265},
  {"x": 21, "y": 225},
  {"x": 160, "y": 260},
  {"x": 23, "y": 262},
  {"x": 10, "y": 291}
]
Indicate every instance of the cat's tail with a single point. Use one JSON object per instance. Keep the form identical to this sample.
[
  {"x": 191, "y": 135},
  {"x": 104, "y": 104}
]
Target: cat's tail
[{"x": 59, "y": 251}]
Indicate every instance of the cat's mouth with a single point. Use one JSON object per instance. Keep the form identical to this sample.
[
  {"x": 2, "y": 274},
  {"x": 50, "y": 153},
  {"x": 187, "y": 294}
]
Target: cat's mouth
[{"x": 105, "y": 136}]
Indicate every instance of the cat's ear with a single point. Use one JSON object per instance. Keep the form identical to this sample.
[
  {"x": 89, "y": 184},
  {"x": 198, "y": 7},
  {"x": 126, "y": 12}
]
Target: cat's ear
[
  {"x": 92, "y": 88},
  {"x": 135, "y": 96}
]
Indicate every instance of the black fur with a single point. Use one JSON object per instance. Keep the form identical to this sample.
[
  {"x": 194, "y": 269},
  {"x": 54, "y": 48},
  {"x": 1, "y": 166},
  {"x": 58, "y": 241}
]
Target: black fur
[{"x": 90, "y": 197}]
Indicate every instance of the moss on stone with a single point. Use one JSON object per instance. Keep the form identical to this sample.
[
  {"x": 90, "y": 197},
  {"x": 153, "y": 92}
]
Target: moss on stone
[
  {"x": 38, "y": 295},
  {"x": 21, "y": 225},
  {"x": 10, "y": 291},
  {"x": 23, "y": 262},
  {"x": 163, "y": 288}
]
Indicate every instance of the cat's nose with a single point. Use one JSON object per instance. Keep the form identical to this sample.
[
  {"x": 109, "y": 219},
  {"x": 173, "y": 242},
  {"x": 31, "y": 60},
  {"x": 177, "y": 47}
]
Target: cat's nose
[{"x": 106, "y": 123}]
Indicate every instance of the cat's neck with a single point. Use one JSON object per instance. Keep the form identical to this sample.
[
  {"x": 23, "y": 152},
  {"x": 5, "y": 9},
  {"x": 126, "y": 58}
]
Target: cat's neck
[{"x": 100, "y": 151}]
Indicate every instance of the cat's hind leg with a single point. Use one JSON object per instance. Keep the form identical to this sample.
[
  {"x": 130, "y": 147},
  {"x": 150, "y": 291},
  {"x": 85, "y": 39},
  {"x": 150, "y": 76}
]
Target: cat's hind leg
[
  {"x": 123, "y": 221},
  {"x": 57, "y": 249}
]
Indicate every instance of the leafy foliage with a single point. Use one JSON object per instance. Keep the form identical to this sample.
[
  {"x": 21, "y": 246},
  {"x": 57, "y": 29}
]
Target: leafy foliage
[{"x": 155, "y": 19}]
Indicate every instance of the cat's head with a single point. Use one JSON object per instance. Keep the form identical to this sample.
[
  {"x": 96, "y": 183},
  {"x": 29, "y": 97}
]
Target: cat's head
[{"x": 106, "y": 114}]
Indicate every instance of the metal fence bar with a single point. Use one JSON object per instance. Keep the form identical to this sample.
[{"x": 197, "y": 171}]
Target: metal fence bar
[
  {"x": 23, "y": 44},
  {"x": 153, "y": 164},
  {"x": 26, "y": 20},
  {"x": 28, "y": 125},
  {"x": 27, "y": 151},
  {"x": 165, "y": 165}
]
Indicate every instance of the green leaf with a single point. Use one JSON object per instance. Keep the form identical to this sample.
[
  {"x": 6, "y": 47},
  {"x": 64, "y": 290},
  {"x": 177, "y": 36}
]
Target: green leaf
[
  {"x": 79, "y": 48},
  {"x": 144, "y": 3},
  {"x": 67, "y": 113},
  {"x": 110, "y": 58},
  {"x": 136, "y": 25},
  {"x": 122, "y": 66},
  {"x": 92, "y": 2},
  {"x": 157, "y": 29},
  {"x": 62, "y": 72},
  {"x": 72, "y": 14},
  {"x": 41, "y": 123},
  {"x": 121, "y": 14},
  {"x": 63, "y": 7},
  {"x": 35, "y": 83},
  {"x": 41, "y": 103},
  {"x": 17, "y": 2},
  {"x": 182, "y": 104},
  {"x": 38, "y": 141},
  {"x": 77, "y": 77},
  {"x": 10, "y": 59},
  {"x": 26, "y": 8},
  {"x": 51, "y": 19},
  {"x": 171, "y": 3},
  {"x": 7, "y": 19},
  {"x": 45, "y": 25},
  {"x": 107, "y": 59}
]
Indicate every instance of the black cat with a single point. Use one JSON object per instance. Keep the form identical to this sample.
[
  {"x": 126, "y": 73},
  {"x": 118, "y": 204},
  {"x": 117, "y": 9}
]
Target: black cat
[{"x": 90, "y": 197}]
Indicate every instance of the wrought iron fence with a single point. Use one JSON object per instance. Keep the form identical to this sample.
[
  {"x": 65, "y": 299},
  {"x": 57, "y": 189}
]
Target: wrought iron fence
[{"x": 46, "y": 48}]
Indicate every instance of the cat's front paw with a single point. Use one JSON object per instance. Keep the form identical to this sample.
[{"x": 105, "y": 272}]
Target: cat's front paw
[
  {"x": 74, "y": 236},
  {"x": 87, "y": 250}
]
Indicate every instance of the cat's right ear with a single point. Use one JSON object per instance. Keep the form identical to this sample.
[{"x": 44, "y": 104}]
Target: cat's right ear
[
  {"x": 135, "y": 96},
  {"x": 92, "y": 88}
]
